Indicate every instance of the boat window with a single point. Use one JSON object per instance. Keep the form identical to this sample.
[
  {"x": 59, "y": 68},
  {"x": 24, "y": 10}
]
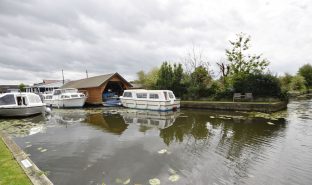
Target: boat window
[
  {"x": 141, "y": 95},
  {"x": 48, "y": 97},
  {"x": 7, "y": 99},
  {"x": 57, "y": 92},
  {"x": 34, "y": 98},
  {"x": 166, "y": 97},
  {"x": 74, "y": 96},
  {"x": 171, "y": 95},
  {"x": 127, "y": 94},
  {"x": 19, "y": 100},
  {"x": 70, "y": 90},
  {"x": 82, "y": 95},
  {"x": 153, "y": 96}
]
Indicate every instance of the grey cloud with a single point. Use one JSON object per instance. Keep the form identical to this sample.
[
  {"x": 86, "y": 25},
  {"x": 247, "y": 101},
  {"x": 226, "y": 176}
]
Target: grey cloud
[{"x": 41, "y": 38}]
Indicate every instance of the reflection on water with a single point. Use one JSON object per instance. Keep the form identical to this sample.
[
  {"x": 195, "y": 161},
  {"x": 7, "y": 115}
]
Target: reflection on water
[{"x": 123, "y": 146}]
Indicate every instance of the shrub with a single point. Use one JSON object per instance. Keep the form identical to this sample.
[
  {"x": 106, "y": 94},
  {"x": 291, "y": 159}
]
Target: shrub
[
  {"x": 298, "y": 83},
  {"x": 260, "y": 85}
]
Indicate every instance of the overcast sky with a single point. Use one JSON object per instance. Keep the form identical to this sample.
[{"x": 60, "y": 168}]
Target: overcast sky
[{"x": 39, "y": 38}]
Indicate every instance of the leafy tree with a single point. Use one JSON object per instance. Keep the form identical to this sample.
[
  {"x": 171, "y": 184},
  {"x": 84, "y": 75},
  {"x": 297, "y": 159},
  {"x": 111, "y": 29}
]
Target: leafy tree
[
  {"x": 199, "y": 80},
  {"x": 148, "y": 80},
  {"x": 177, "y": 85},
  {"x": 306, "y": 72},
  {"x": 285, "y": 82},
  {"x": 242, "y": 63},
  {"x": 165, "y": 76},
  {"x": 21, "y": 87},
  {"x": 298, "y": 83},
  {"x": 171, "y": 77}
]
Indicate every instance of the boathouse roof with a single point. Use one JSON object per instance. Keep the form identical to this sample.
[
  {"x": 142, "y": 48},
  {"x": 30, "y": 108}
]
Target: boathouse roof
[{"x": 94, "y": 81}]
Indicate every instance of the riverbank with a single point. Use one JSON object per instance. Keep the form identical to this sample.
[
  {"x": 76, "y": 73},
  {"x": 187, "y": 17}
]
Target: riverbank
[
  {"x": 16, "y": 167},
  {"x": 267, "y": 107},
  {"x": 10, "y": 171}
]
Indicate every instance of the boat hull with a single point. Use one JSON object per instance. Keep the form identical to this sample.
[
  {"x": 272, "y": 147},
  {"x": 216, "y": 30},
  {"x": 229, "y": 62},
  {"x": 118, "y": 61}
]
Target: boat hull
[
  {"x": 151, "y": 105},
  {"x": 21, "y": 111},
  {"x": 66, "y": 103}
]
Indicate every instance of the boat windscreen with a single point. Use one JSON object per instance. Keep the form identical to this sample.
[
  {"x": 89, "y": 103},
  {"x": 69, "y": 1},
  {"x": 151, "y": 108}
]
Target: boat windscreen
[
  {"x": 34, "y": 98},
  {"x": 7, "y": 99}
]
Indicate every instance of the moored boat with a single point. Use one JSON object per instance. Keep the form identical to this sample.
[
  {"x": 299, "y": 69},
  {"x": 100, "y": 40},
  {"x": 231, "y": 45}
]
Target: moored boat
[
  {"x": 20, "y": 104},
  {"x": 65, "y": 98},
  {"x": 160, "y": 100}
]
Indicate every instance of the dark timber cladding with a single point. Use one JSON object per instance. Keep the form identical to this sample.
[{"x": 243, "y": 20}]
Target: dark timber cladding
[{"x": 95, "y": 87}]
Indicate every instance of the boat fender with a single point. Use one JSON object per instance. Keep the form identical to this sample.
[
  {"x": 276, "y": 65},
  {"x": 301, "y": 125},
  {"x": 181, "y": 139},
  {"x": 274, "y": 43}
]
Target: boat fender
[{"x": 48, "y": 110}]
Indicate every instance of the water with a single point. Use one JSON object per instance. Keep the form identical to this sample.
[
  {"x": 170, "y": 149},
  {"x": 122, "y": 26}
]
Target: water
[{"x": 105, "y": 146}]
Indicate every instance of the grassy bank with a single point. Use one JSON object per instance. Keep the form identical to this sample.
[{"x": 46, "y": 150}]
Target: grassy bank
[{"x": 10, "y": 171}]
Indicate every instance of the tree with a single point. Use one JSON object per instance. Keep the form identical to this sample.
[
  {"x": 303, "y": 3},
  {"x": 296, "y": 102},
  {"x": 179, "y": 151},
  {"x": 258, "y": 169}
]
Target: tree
[
  {"x": 194, "y": 59},
  {"x": 199, "y": 80},
  {"x": 177, "y": 85},
  {"x": 170, "y": 77},
  {"x": 242, "y": 63},
  {"x": 165, "y": 76},
  {"x": 306, "y": 72},
  {"x": 260, "y": 85},
  {"x": 224, "y": 69},
  {"x": 298, "y": 83},
  {"x": 148, "y": 80},
  {"x": 21, "y": 87},
  {"x": 285, "y": 82}
]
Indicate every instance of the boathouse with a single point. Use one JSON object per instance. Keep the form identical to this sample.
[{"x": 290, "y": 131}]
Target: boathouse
[{"x": 97, "y": 86}]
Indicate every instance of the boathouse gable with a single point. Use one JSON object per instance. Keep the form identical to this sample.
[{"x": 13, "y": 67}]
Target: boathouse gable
[{"x": 95, "y": 87}]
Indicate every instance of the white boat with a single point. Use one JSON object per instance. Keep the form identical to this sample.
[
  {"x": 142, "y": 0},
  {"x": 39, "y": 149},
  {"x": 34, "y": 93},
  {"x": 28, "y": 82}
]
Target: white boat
[
  {"x": 20, "y": 104},
  {"x": 160, "y": 100},
  {"x": 65, "y": 98},
  {"x": 153, "y": 119}
]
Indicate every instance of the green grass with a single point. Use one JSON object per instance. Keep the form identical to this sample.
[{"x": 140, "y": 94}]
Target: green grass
[{"x": 10, "y": 171}]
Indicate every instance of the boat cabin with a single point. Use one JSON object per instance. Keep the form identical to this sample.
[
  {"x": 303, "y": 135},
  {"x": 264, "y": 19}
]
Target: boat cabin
[
  {"x": 153, "y": 95},
  {"x": 18, "y": 99}
]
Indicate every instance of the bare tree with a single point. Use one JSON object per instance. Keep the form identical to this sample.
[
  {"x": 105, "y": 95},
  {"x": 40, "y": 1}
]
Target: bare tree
[
  {"x": 224, "y": 69},
  {"x": 195, "y": 58}
]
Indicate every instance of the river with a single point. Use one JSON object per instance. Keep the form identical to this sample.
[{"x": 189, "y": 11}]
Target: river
[{"x": 123, "y": 146}]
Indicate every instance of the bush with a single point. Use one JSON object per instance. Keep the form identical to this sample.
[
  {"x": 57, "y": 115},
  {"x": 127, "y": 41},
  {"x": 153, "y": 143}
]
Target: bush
[
  {"x": 298, "y": 84},
  {"x": 260, "y": 85}
]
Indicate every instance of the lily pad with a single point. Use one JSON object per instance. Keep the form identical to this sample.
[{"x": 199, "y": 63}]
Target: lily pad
[
  {"x": 154, "y": 181},
  {"x": 163, "y": 151},
  {"x": 126, "y": 181},
  {"x": 172, "y": 171},
  {"x": 174, "y": 178}
]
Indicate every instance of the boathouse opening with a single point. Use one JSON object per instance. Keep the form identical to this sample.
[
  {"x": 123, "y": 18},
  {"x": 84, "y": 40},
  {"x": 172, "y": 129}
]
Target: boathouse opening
[{"x": 113, "y": 89}]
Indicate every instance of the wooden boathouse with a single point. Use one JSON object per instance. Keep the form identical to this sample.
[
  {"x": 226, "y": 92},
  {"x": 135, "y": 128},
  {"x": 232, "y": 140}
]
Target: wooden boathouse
[{"x": 95, "y": 87}]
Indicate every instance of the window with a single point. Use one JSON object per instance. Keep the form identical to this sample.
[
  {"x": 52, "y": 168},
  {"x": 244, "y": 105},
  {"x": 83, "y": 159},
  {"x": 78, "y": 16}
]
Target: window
[
  {"x": 127, "y": 94},
  {"x": 48, "y": 97},
  {"x": 57, "y": 92},
  {"x": 171, "y": 95},
  {"x": 7, "y": 100},
  {"x": 34, "y": 99},
  {"x": 153, "y": 96},
  {"x": 141, "y": 95},
  {"x": 74, "y": 96}
]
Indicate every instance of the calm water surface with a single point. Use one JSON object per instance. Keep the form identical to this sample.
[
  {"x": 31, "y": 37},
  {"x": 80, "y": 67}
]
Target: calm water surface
[{"x": 96, "y": 146}]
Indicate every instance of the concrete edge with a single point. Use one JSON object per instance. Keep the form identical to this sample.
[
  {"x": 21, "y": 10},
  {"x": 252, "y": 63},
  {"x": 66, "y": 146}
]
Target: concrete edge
[
  {"x": 36, "y": 176},
  {"x": 237, "y": 106}
]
